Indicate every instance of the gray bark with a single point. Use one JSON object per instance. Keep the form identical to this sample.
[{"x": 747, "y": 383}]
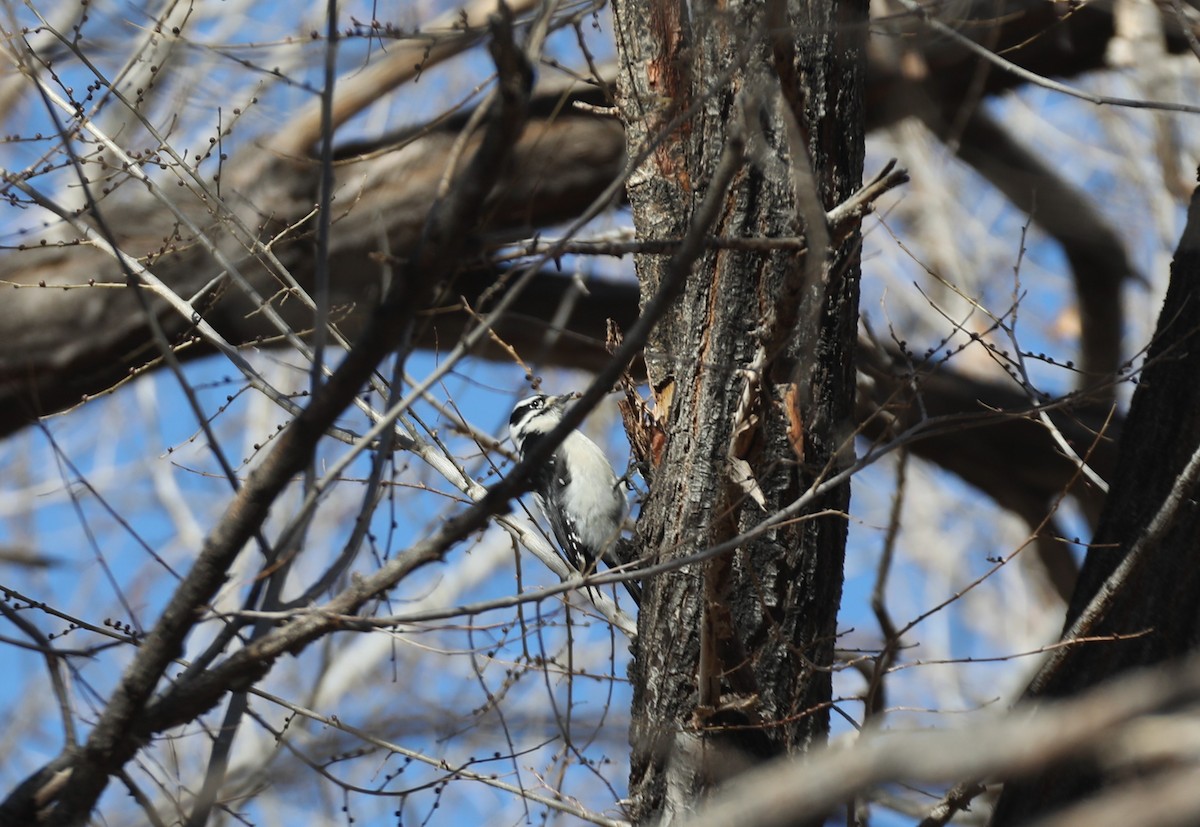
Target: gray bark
[{"x": 752, "y": 373}]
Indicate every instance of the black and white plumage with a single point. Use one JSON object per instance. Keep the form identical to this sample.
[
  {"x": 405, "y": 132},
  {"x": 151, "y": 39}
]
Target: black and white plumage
[{"x": 576, "y": 489}]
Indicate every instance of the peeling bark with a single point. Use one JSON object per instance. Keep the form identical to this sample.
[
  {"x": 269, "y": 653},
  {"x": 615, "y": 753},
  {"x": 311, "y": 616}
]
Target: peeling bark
[{"x": 728, "y": 661}]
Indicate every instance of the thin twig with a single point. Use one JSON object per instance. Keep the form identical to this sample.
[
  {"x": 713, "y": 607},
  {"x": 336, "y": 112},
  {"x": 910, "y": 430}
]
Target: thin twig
[{"x": 1033, "y": 77}]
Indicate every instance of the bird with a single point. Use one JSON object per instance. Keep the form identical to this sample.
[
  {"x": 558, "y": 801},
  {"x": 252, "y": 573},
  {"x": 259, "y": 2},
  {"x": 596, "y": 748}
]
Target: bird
[{"x": 575, "y": 488}]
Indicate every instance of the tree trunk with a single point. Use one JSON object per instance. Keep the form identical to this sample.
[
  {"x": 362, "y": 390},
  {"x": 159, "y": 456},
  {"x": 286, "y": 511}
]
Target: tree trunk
[
  {"x": 1140, "y": 577},
  {"x": 752, "y": 374}
]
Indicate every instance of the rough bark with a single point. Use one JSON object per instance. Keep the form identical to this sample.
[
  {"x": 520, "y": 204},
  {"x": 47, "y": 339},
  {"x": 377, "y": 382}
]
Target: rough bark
[
  {"x": 1140, "y": 577},
  {"x": 753, "y": 375}
]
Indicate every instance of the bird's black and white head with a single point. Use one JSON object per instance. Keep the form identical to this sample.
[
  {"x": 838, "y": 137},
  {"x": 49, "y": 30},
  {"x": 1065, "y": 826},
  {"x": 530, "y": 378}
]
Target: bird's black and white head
[{"x": 536, "y": 415}]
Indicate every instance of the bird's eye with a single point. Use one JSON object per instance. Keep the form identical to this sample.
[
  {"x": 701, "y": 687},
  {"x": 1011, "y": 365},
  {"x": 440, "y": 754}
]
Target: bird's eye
[{"x": 538, "y": 403}]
